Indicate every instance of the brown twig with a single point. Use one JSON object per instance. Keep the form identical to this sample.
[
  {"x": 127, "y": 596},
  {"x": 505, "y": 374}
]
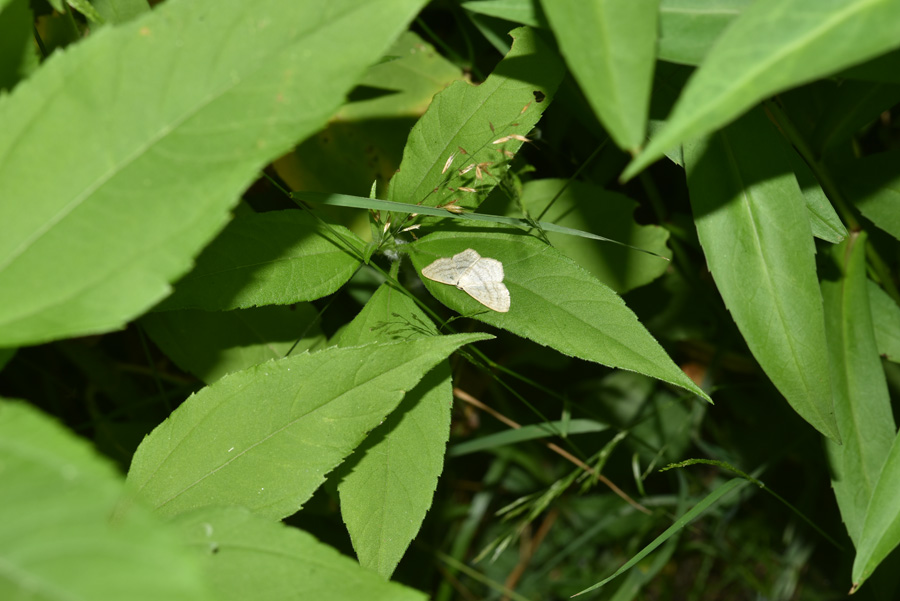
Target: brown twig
[{"x": 465, "y": 396}]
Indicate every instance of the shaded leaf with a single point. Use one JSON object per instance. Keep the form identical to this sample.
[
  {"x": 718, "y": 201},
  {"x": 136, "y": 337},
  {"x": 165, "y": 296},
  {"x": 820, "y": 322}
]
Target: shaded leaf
[
  {"x": 488, "y": 442},
  {"x": 364, "y": 141},
  {"x": 861, "y": 402},
  {"x": 167, "y": 118},
  {"x": 16, "y": 43},
  {"x": 803, "y": 40},
  {"x": 689, "y": 28},
  {"x": 610, "y": 47},
  {"x": 273, "y": 258},
  {"x": 755, "y": 233},
  {"x": 264, "y": 438},
  {"x": 210, "y": 344},
  {"x": 57, "y": 540},
  {"x": 120, "y": 11},
  {"x": 472, "y": 118},
  {"x": 526, "y": 12},
  {"x": 583, "y": 206},
  {"x": 881, "y": 528},
  {"x": 249, "y": 557},
  {"x": 873, "y": 184},
  {"x": 393, "y": 474},
  {"x": 886, "y": 322},
  {"x": 852, "y": 106},
  {"x": 555, "y": 303},
  {"x": 823, "y": 220}
]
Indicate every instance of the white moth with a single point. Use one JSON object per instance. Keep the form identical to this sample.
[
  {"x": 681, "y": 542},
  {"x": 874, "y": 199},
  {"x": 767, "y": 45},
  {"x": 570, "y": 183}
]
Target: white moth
[{"x": 479, "y": 277}]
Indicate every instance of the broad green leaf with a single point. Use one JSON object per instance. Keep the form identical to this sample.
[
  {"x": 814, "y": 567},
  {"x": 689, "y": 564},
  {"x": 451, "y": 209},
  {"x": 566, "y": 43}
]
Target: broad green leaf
[
  {"x": 249, "y": 557},
  {"x": 753, "y": 226},
  {"x": 473, "y": 118},
  {"x": 57, "y": 540},
  {"x": 852, "y": 106},
  {"x": 689, "y": 28},
  {"x": 364, "y": 141},
  {"x": 675, "y": 528},
  {"x": 273, "y": 258},
  {"x": 532, "y": 432},
  {"x": 610, "y": 47},
  {"x": 555, "y": 303},
  {"x": 886, "y": 321},
  {"x": 119, "y": 11},
  {"x": 210, "y": 344},
  {"x": 526, "y": 12},
  {"x": 823, "y": 219},
  {"x": 583, "y": 206},
  {"x": 88, "y": 10},
  {"x": 881, "y": 528},
  {"x": 265, "y": 437},
  {"x": 774, "y": 45},
  {"x": 873, "y": 184},
  {"x": 393, "y": 474},
  {"x": 155, "y": 127},
  {"x": 16, "y": 42},
  {"x": 862, "y": 405}
]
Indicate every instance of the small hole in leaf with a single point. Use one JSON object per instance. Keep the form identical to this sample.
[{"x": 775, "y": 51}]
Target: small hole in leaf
[{"x": 539, "y": 96}]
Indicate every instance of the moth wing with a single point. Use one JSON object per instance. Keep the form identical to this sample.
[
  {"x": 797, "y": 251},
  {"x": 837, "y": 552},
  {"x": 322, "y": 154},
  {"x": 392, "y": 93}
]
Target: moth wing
[
  {"x": 483, "y": 281},
  {"x": 443, "y": 271},
  {"x": 466, "y": 259}
]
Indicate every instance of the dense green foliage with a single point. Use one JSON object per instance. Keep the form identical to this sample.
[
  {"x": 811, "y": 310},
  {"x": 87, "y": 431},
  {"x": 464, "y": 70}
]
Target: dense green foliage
[{"x": 224, "y": 375}]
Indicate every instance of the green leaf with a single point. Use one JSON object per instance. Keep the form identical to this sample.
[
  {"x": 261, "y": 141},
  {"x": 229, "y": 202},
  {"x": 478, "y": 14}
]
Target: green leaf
[
  {"x": 57, "y": 540},
  {"x": 881, "y": 528},
  {"x": 873, "y": 184},
  {"x": 394, "y": 473},
  {"x": 582, "y": 206},
  {"x": 249, "y": 557},
  {"x": 555, "y": 303},
  {"x": 886, "y": 320},
  {"x": 155, "y": 127},
  {"x": 526, "y": 12},
  {"x": 509, "y": 102},
  {"x": 273, "y": 258},
  {"x": 823, "y": 220},
  {"x": 264, "y": 438},
  {"x": 16, "y": 42},
  {"x": 532, "y": 432},
  {"x": 773, "y": 46},
  {"x": 755, "y": 233},
  {"x": 853, "y": 106},
  {"x": 88, "y": 10},
  {"x": 689, "y": 28},
  {"x": 120, "y": 11},
  {"x": 610, "y": 47},
  {"x": 212, "y": 344},
  {"x": 862, "y": 405},
  {"x": 364, "y": 141},
  {"x": 680, "y": 523}
]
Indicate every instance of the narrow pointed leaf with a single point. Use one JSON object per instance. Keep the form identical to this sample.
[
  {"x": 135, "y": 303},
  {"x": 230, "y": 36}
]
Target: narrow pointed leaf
[
  {"x": 56, "y": 537},
  {"x": 554, "y": 302},
  {"x": 155, "y": 127},
  {"x": 264, "y": 438},
  {"x": 272, "y": 258},
  {"x": 773, "y": 46},
  {"x": 752, "y": 223},
  {"x": 394, "y": 473},
  {"x": 672, "y": 530},
  {"x": 610, "y": 47},
  {"x": 881, "y": 528},
  {"x": 249, "y": 557},
  {"x": 509, "y": 102},
  {"x": 210, "y": 344},
  {"x": 886, "y": 321},
  {"x": 861, "y": 401},
  {"x": 873, "y": 184}
]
